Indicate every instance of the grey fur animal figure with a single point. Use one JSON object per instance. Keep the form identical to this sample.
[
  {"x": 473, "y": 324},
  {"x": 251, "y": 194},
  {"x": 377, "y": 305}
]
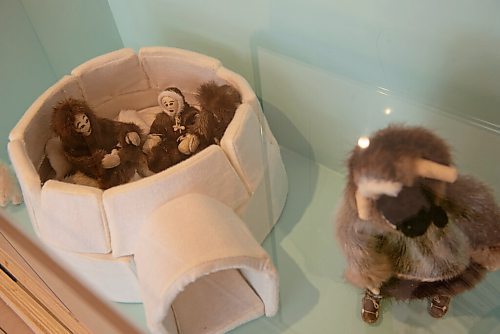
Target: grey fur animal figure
[{"x": 410, "y": 227}]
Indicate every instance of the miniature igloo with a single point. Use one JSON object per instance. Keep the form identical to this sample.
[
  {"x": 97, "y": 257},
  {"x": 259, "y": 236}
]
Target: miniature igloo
[{"x": 171, "y": 237}]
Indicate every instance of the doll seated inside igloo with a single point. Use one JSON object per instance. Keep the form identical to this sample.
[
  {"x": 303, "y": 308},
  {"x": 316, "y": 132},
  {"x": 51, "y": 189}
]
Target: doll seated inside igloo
[{"x": 96, "y": 151}]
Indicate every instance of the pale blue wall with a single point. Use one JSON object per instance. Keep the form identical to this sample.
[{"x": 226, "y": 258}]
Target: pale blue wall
[
  {"x": 324, "y": 69},
  {"x": 444, "y": 53},
  {"x": 327, "y": 69},
  {"x": 25, "y": 71},
  {"x": 73, "y": 31},
  {"x": 40, "y": 41}
]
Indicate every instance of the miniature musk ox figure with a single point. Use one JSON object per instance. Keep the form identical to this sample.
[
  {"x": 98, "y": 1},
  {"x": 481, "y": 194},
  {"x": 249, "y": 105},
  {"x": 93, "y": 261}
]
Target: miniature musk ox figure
[
  {"x": 410, "y": 226},
  {"x": 107, "y": 151}
]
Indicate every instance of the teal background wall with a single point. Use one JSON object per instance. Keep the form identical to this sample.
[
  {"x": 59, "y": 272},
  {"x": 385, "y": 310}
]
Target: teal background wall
[
  {"x": 25, "y": 71},
  {"x": 443, "y": 53},
  {"x": 73, "y": 31},
  {"x": 40, "y": 41},
  {"x": 325, "y": 71}
]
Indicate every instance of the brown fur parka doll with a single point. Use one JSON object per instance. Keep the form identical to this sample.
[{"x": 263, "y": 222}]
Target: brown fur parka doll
[
  {"x": 105, "y": 150},
  {"x": 169, "y": 131},
  {"x": 410, "y": 226},
  {"x": 181, "y": 130}
]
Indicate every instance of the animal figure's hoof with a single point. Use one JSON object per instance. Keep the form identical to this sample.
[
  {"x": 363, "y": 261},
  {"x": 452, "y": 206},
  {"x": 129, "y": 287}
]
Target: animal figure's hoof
[
  {"x": 370, "y": 308},
  {"x": 438, "y": 306}
]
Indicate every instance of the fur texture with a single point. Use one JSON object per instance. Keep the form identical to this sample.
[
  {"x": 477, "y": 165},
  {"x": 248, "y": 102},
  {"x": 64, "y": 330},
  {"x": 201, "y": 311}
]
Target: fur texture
[
  {"x": 203, "y": 127},
  {"x": 86, "y": 153},
  {"x": 170, "y": 129},
  {"x": 218, "y": 105},
  {"x": 449, "y": 257}
]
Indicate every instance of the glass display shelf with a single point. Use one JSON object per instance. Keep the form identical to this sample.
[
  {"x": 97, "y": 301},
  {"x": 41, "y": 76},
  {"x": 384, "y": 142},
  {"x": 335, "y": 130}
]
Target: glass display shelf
[{"x": 314, "y": 297}]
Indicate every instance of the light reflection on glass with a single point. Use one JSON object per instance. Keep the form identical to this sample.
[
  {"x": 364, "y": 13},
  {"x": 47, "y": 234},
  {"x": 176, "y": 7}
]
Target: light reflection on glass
[
  {"x": 383, "y": 91},
  {"x": 363, "y": 142}
]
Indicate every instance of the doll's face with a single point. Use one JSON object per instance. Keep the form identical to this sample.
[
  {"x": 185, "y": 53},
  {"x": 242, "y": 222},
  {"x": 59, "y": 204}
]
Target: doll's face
[
  {"x": 170, "y": 105},
  {"x": 82, "y": 124}
]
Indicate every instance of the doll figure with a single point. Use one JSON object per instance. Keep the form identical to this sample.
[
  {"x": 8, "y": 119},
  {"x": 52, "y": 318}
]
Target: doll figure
[
  {"x": 168, "y": 142},
  {"x": 410, "y": 226},
  {"x": 104, "y": 150}
]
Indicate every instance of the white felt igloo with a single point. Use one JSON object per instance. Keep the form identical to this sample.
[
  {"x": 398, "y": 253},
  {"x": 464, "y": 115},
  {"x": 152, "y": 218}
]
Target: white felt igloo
[{"x": 185, "y": 241}]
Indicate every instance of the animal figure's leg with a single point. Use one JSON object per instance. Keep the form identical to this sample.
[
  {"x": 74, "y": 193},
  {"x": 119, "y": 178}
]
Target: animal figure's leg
[
  {"x": 438, "y": 306},
  {"x": 488, "y": 257},
  {"x": 370, "y": 307}
]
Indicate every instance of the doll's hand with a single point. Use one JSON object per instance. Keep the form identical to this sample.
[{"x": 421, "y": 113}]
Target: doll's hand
[
  {"x": 151, "y": 142},
  {"x": 133, "y": 138},
  {"x": 188, "y": 144},
  {"x": 111, "y": 160}
]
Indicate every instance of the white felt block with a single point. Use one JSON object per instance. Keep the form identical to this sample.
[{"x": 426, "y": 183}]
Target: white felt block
[
  {"x": 257, "y": 159},
  {"x": 243, "y": 144},
  {"x": 111, "y": 278},
  {"x": 172, "y": 67},
  {"x": 276, "y": 177},
  {"x": 73, "y": 218},
  {"x": 113, "y": 74},
  {"x": 28, "y": 178},
  {"x": 34, "y": 127},
  {"x": 268, "y": 199},
  {"x": 220, "y": 295},
  {"x": 207, "y": 172},
  {"x": 180, "y": 247},
  {"x": 136, "y": 100}
]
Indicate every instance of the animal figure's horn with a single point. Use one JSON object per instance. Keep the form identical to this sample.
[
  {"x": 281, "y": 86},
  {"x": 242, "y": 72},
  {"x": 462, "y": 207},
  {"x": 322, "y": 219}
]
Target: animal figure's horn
[
  {"x": 364, "y": 206},
  {"x": 433, "y": 170}
]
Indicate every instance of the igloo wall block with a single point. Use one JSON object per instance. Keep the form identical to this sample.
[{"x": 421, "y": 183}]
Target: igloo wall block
[
  {"x": 208, "y": 172},
  {"x": 73, "y": 218},
  {"x": 29, "y": 180},
  {"x": 111, "y": 278},
  {"x": 202, "y": 268},
  {"x": 238, "y": 303},
  {"x": 111, "y": 75},
  {"x": 264, "y": 208},
  {"x": 243, "y": 145},
  {"x": 26, "y": 142},
  {"x": 130, "y": 101},
  {"x": 34, "y": 127}
]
